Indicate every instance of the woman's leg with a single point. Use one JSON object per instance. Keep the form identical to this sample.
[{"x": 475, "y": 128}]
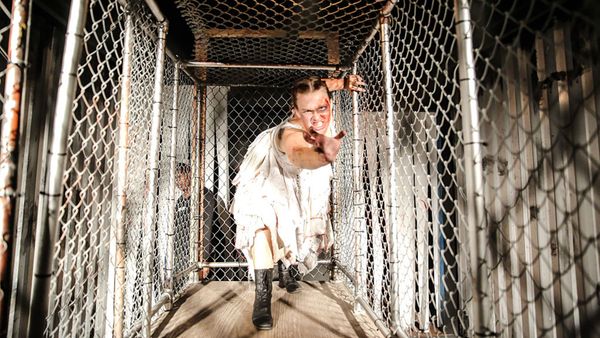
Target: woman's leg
[
  {"x": 262, "y": 250},
  {"x": 262, "y": 255}
]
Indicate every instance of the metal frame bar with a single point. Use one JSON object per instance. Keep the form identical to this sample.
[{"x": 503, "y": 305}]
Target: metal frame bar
[
  {"x": 194, "y": 245},
  {"x": 51, "y": 194},
  {"x": 385, "y": 11},
  {"x": 334, "y": 196},
  {"x": 201, "y": 157},
  {"x": 139, "y": 324},
  {"x": 480, "y": 309},
  {"x": 18, "y": 308},
  {"x": 358, "y": 204},
  {"x": 123, "y": 153},
  {"x": 360, "y": 301},
  {"x": 9, "y": 135},
  {"x": 172, "y": 176},
  {"x": 332, "y": 68},
  {"x": 392, "y": 170},
  {"x": 155, "y": 9},
  {"x": 153, "y": 167}
]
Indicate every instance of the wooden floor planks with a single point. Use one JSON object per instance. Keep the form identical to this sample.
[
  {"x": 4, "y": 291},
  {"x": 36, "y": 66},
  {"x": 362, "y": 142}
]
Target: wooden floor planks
[{"x": 223, "y": 310}]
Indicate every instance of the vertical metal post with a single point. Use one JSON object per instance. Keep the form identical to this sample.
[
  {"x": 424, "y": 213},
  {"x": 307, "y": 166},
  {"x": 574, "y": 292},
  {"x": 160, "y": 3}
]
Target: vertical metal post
[
  {"x": 392, "y": 170},
  {"x": 473, "y": 168},
  {"x": 173, "y": 159},
  {"x": 51, "y": 194},
  {"x": 198, "y": 184},
  {"x": 358, "y": 204},
  {"x": 334, "y": 198},
  {"x": 202, "y": 155},
  {"x": 152, "y": 175},
  {"x": 123, "y": 153},
  {"x": 194, "y": 246},
  {"x": 8, "y": 138}
]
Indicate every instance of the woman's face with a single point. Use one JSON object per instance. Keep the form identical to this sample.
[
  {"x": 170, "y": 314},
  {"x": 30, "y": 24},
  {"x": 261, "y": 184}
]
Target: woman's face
[{"x": 313, "y": 110}]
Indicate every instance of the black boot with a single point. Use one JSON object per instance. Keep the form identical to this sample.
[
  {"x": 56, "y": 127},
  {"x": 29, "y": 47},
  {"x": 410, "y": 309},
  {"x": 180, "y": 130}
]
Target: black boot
[
  {"x": 261, "y": 314},
  {"x": 287, "y": 278}
]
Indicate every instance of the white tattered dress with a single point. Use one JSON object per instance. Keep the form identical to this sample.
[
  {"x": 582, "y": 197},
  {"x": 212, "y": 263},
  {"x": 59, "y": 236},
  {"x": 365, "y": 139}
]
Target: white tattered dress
[{"x": 292, "y": 202}]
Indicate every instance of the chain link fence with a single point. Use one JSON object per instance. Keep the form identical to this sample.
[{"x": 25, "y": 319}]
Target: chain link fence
[
  {"x": 183, "y": 229},
  {"x": 538, "y": 121},
  {"x": 537, "y": 69},
  {"x": 111, "y": 268},
  {"x": 235, "y": 116},
  {"x": 456, "y": 212},
  {"x": 81, "y": 252}
]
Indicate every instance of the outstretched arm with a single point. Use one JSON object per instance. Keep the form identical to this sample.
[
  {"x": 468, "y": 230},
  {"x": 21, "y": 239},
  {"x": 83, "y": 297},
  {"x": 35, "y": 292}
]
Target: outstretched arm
[
  {"x": 350, "y": 82},
  {"x": 309, "y": 151}
]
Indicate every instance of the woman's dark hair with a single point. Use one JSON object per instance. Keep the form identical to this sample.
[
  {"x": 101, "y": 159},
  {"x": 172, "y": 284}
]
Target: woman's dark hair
[{"x": 307, "y": 85}]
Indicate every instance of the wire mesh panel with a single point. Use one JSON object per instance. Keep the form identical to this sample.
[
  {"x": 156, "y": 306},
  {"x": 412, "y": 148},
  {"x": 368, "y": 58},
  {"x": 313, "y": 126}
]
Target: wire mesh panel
[
  {"x": 235, "y": 116},
  {"x": 275, "y": 32},
  {"x": 432, "y": 215},
  {"x": 80, "y": 302},
  {"x": 81, "y": 256},
  {"x": 164, "y": 179},
  {"x": 219, "y": 227},
  {"x": 343, "y": 198},
  {"x": 538, "y": 121},
  {"x": 423, "y": 293},
  {"x": 536, "y": 64},
  {"x": 402, "y": 212},
  {"x": 142, "y": 87},
  {"x": 374, "y": 243},
  {"x": 183, "y": 256}
]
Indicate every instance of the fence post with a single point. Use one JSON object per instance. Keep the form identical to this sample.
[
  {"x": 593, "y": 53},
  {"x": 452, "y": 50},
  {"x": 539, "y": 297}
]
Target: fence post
[
  {"x": 9, "y": 137},
  {"x": 51, "y": 194},
  {"x": 197, "y": 201},
  {"x": 194, "y": 184},
  {"x": 172, "y": 176},
  {"x": 358, "y": 204},
  {"x": 152, "y": 175},
  {"x": 480, "y": 309},
  {"x": 392, "y": 170},
  {"x": 123, "y": 152}
]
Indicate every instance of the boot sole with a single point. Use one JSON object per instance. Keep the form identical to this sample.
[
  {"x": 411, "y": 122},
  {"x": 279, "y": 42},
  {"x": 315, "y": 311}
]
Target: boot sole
[
  {"x": 264, "y": 328},
  {"x": 295, "y": 291},
  {"x": 288, "y": 291}
]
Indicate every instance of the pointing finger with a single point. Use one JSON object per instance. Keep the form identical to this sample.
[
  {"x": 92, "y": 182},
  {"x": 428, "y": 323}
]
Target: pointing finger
[{"x": 340, "y": 135}]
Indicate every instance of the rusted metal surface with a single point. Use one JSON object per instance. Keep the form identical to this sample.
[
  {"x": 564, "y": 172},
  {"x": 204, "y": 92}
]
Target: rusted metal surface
[{"x": 9, "y": 131}]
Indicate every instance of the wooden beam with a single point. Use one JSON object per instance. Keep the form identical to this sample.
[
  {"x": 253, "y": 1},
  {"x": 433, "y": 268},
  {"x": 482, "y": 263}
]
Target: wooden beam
[
  {"x": 333, "y": 48},
  {"x": 268, "y": 33},
  {"x": 245, "y": 33}
]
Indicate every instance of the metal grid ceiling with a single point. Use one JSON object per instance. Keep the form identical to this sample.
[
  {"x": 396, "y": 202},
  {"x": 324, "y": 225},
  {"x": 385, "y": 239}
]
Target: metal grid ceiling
[{"x": 276, "y": 32}]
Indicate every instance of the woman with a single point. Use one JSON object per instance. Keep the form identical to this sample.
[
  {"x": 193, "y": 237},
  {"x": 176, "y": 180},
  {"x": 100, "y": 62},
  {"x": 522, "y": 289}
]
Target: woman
[{"x": 282, "y": 197}]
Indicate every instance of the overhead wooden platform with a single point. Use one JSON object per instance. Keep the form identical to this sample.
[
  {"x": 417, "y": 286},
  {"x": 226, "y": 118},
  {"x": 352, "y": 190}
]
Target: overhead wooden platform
[{"x": 223, "y": 309}]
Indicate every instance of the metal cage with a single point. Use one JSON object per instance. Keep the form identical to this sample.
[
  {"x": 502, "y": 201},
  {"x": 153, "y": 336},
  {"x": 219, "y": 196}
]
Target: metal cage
[{"x": 466, "y": 195}]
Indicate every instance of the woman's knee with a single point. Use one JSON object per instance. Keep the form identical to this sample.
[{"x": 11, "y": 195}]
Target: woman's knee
[{"x": 262, "y": 251}]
